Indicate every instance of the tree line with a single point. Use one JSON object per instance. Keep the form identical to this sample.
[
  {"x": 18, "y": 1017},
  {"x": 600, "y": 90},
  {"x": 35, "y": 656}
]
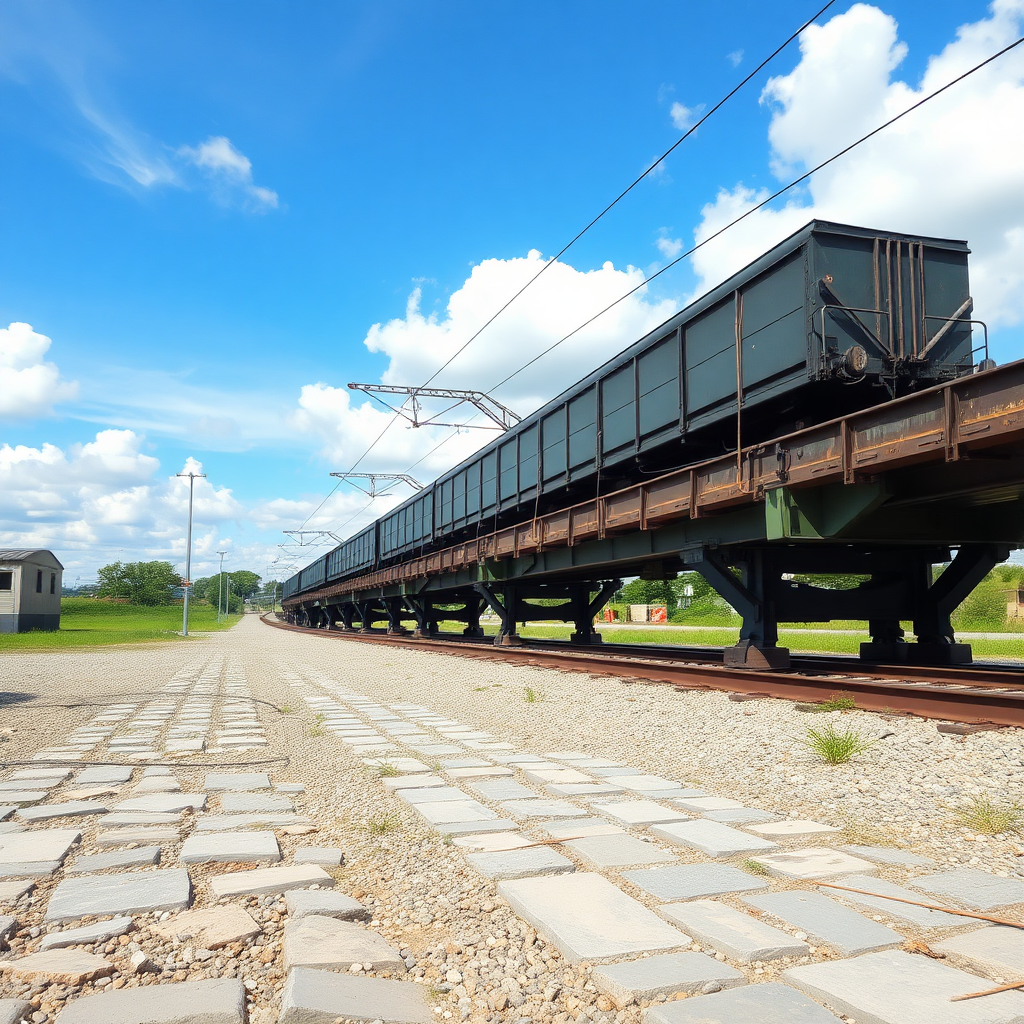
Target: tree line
[{"x": 154, "y": 583}]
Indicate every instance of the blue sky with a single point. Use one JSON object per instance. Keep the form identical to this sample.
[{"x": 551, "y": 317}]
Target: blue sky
[{"x": 208, "y": 207}]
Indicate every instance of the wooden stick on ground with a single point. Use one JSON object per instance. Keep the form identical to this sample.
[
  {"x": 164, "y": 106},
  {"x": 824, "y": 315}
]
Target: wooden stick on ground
[
  {"x": 550, "y": 842},
  {"x": 927, "y": 906},
  {"x": 988, "y": 991}
]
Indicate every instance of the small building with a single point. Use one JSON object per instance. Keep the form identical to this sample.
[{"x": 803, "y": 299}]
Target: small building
[{"x": 30, "y": 584}]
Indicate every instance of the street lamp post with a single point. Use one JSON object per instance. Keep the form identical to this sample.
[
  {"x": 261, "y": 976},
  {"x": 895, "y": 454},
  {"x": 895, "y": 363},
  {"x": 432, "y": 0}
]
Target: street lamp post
[
  {"x": 220, "y": 582},
  {"x": 188, "y": 548}
]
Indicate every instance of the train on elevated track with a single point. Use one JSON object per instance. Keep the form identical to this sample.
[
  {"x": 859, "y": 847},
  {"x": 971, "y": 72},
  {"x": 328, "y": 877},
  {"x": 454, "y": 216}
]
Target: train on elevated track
[{"x": 832, "y": 320}]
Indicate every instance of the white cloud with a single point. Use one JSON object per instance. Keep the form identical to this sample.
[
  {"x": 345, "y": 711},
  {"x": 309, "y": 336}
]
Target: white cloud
[
  {"x": 683, "y": 117},
  {"x": 417, "y": 344},
  {"x": 952, "y": 168},
  {"x": 229, "y": 171},
  {"x": 29, "y": 386},
  {"x": 735, "y": 58},
  {"x": 670, "y": 248},
  {"x": 104, "y": 500}
]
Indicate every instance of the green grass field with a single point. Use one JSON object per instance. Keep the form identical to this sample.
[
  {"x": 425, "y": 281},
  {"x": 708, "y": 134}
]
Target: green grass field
[{"x": 85, "y": 622}]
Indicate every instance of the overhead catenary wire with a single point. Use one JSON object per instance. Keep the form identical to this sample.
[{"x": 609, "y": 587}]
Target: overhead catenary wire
[
  {"x": 764, "y": 202},
  {"x": 565, "y": 248}
]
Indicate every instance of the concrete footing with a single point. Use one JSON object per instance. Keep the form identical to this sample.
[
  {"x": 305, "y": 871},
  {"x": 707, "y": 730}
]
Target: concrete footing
[
  {"x": 748, "y": 655},
  {"x": 917, "y": 654}
]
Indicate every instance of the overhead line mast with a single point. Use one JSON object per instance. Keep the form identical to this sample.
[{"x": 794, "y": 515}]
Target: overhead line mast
[{"x": 500, "y": 415}]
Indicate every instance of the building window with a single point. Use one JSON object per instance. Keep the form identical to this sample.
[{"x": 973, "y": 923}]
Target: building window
[
  {"x": 39, "y": 581},
  {"x": 53, "y": 583},
  {"x": 6, "y": 580}
]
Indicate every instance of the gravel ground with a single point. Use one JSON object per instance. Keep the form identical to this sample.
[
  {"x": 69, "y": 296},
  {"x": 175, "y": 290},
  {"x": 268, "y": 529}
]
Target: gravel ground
[{"x": 480, "y": 962}]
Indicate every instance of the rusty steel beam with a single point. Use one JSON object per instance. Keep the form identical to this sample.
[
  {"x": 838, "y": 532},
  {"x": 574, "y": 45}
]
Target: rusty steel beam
[{"x": 1001, "y": 704}]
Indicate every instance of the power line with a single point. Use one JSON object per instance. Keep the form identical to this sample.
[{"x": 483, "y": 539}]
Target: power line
[
  {"x": 629, "y": 188},
  {"x": 561, "y": 252},
  {"x": 754, "y": 209}
]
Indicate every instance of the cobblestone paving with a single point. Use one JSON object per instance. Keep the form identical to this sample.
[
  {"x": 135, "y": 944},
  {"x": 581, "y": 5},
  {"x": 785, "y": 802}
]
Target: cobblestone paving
[{"x": 257, "y": 827}]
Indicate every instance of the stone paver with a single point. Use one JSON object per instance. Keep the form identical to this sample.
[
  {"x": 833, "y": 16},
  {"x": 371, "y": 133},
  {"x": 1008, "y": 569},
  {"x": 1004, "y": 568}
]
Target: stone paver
[
  {"x": 323, "y": 997},
  {"x": 997, "y": 951},
  {"x": 236, "y": 782},
  {"x": 619, "y": 851},
  {"x": 901, "y": 911},
  {"x": 324, "y": 903},
  {"x": 501, "y": 789},
  {"x": 977, "y": 889},
  {"x": 741, "y": 815},
  {"x": 666, "y": 974},
  {"x": 814, "y": 862},
  {"x": 588, "y": 918},
  {"x": 10, "y": 891},
  {"x": 790, "y": 829},
  {"x": 329, "y": 944},
  {"x": 416, "y": 782},
  {"x": 640, "y": 812},
  {"x": 712, "y": 838},
  {"x": 894, "y": 987},
  {"x": 123, "y": 836},
  {"x": 540, "y": 860},
  {"x": 268, "y": 880},
  {"x": 253, "y": 803},
  {"x": 144, "y": 856},
  {"x": 827, "y": 921},
  {"x": 700, "y": 804},
  {"x": 168, "y": 889},
  {"x": 752, "y": 1004},
  {"x": 104, "y": 775},
  {"x": 61, "y": 966},
  {"x": 885, "y": 855},
  {"x": 325, "y": 856},
  {"x": 211, "y": 928},
  {"x": 434, "y": 795},
  {"x": 450, "y": 811},
  {"x": 69, "y": 809},
  {"x": 163, "y": 803},
  {"x": 541, "y": 808},
  {"x": 741, "y": 937},
  {"x": 214, "y": 1001},
  {"x": 230, "y": 847},
  {"x": 13, "y": 1010},
  {"x": 226, "y": 822},
  {"x": 694, "y": 881},
  {"x": 100, "y": 932}
]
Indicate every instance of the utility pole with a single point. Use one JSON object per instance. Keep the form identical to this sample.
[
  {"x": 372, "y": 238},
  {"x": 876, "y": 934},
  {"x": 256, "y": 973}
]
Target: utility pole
[
  {"x": 188, "y": 547},
  {"x": 220, "y": 581}
]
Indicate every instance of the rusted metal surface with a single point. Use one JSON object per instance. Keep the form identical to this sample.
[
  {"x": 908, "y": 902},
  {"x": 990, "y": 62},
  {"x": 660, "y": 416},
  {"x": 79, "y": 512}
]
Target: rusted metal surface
[
  {"x": 970, "y": 695},
  {"x": 947, "y": 423}
]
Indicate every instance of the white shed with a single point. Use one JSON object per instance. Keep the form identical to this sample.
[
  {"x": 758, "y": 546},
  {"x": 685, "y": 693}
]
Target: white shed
[{"x": 29, "y": 590}]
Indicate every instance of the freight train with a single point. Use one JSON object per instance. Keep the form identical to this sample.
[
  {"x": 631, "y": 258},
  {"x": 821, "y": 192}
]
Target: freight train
[{"x": 832, "y": 320}]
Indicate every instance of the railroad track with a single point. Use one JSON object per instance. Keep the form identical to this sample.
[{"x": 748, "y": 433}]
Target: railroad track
[{"x": 969, "y": 695}]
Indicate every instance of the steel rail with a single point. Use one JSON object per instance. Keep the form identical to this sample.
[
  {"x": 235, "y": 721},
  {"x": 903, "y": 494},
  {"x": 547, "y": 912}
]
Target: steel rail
[{"x": 957, "y": 698}]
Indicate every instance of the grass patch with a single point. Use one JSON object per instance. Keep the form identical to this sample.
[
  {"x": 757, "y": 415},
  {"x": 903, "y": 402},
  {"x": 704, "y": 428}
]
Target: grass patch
[
  {"x": 986, "y": 816},
  {"x": 755, "y": 867},
  {"x": 532, "y": 696},
  {"x": 314, "y": 732},
  {"x": 286, "y": 709},
  {"x": 477, "y": 689},
  {"x": 86, "y": 622},
  {"x": 837, "y": 702},
  {"x": 386, "y": 770},
  {"x": 835, "y": 746},
  {"x": 862, "y": 833},
  {"x": 382, "y": 824}
]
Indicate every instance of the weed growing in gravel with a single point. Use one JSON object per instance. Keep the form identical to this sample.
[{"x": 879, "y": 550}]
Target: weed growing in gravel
[
  {"x": 755, "y": 867},
  {"x": 386, "y": 770},
  {"x": 314, "y": 732},
  {"x": 382, "y": 824},
  {"x": 836, "y": 746},
  {"x": 320, "y": 717},
  {"x": 837, "y": 702},
  {"x": 434, "y": 766},
  {"x": 862, "y": 833},
  {"x": 984, "y": 815},
  {"x": 533, "y": 696},
  {"x": 286, "y": 709},
  {"x": 477, "y": 689}
]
